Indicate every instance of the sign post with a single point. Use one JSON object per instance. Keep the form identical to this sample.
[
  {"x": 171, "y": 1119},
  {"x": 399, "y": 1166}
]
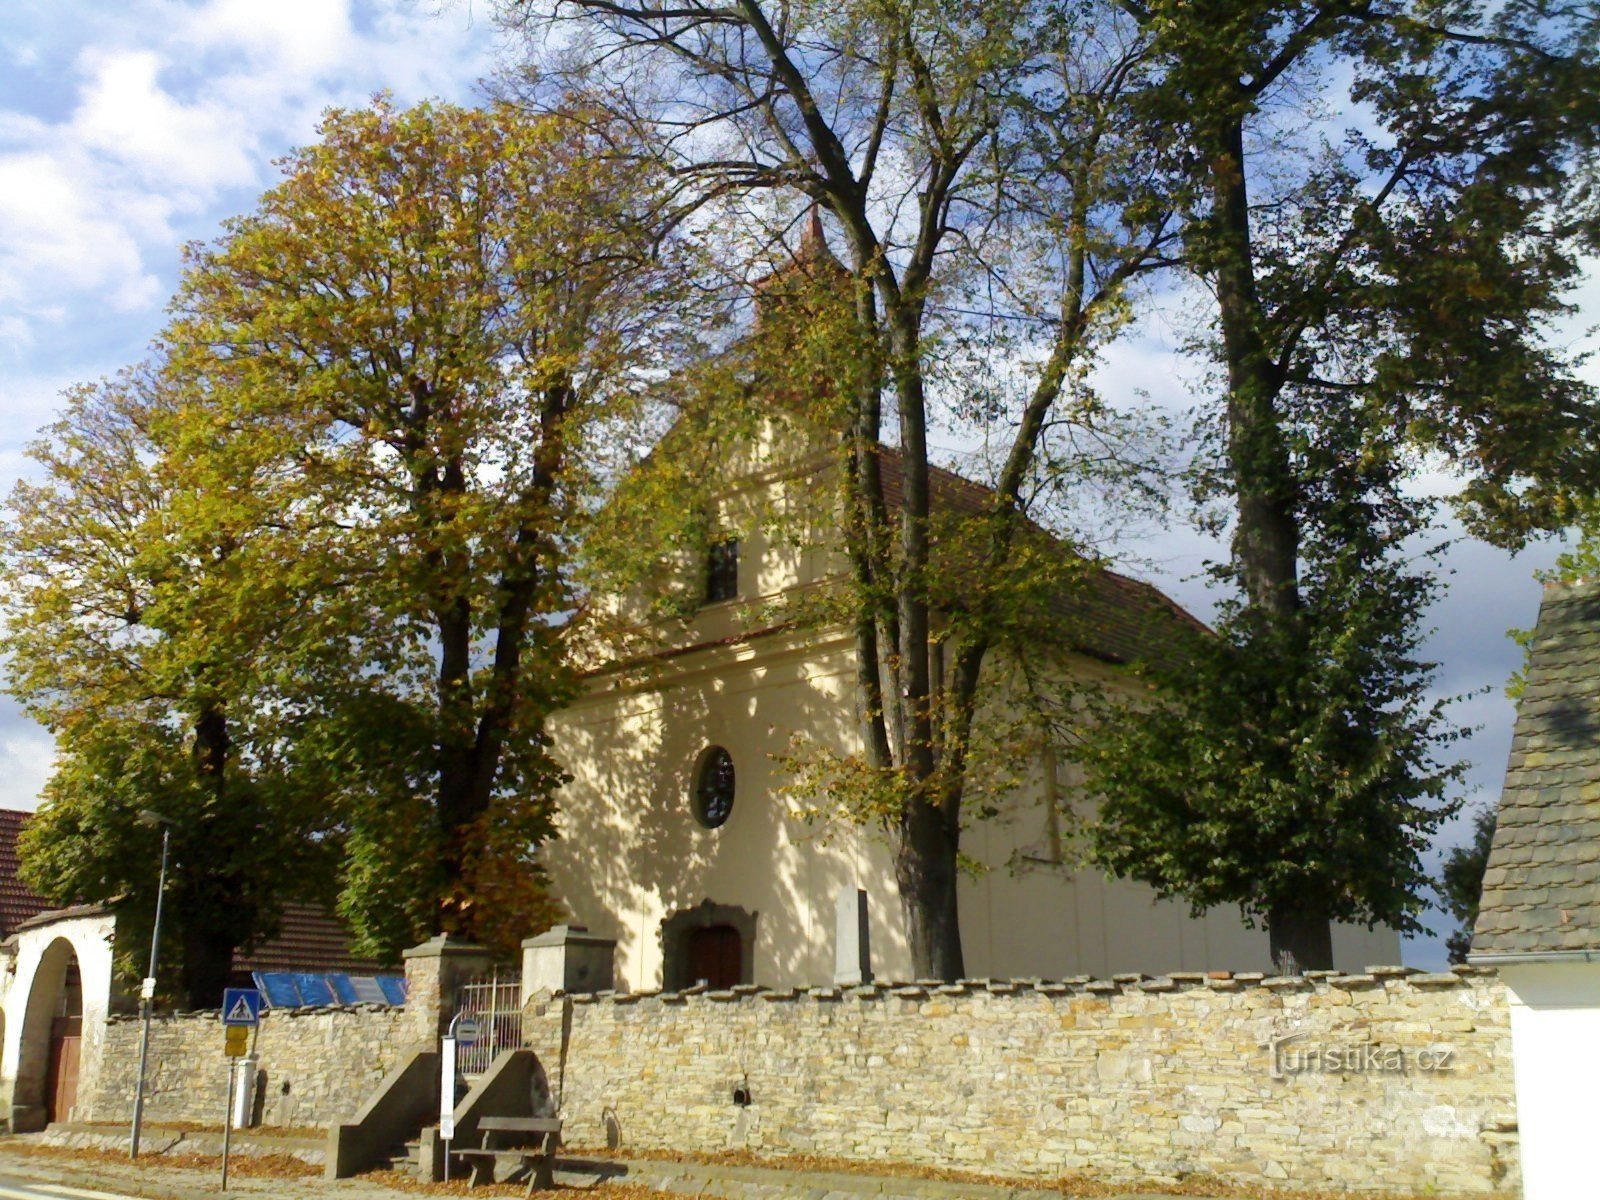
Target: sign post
[
  {"x": 227, "y": 1122},
  {"x": 241, "y": 1012},
  {"x": 447, "y": 1097},
  {"x": 464, "y": 1031}
]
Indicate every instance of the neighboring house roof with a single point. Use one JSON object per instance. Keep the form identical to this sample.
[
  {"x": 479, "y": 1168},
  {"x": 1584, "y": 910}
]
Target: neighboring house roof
[
  {"x": 1541, "y": 888},
  {"x": 311, "y": 939},
  {"x": 18, "y": 902}
]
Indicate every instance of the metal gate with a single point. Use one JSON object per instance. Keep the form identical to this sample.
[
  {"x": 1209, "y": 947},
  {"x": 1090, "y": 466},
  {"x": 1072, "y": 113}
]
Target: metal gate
[{"x": 494, "y": 1001}]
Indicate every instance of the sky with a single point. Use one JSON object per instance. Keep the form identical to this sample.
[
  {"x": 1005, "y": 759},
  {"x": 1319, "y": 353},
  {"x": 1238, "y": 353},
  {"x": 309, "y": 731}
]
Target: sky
[{"x": 129, "y": 129}]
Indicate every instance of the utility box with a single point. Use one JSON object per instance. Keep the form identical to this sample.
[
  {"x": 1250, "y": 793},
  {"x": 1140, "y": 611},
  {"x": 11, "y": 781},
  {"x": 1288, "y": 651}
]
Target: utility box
[
  {"x": 242, "y": 1110},
  {"x": 568, "y": 958}
]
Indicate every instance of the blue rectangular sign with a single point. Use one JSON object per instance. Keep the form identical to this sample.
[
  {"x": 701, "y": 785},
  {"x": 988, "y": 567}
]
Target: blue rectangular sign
[{"x": 241, "y": 1006}]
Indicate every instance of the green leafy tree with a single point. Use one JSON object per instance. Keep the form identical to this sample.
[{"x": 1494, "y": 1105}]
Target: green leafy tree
[
  {"x": 1383, "y": 295},
  {"x": 123, "y": 639},
  {"x": 1461, "y": 882},
  {"x": 429, "y": 335},
  {"x": 979, "y": 165}
]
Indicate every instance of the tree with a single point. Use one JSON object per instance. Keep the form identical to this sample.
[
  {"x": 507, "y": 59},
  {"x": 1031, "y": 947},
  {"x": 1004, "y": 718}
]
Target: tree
[
  {"x": 1461, "y": 882},
  {"x": 976, "y": 158},
  {"x": 426, "y": 336},
  {"x": 1381, "y": 302},
  {"x": 121, "y": 641}
]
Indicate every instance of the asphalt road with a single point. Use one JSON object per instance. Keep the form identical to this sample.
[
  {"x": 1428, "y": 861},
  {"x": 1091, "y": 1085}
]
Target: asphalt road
[{"x": 14, "y": 1188}]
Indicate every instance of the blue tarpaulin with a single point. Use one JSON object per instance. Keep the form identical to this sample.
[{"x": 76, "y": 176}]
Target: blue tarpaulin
[{"x": 284, "y": 989}]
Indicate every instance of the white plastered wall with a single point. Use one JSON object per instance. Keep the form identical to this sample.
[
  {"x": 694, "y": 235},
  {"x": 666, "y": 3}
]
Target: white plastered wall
[
  {"x": 631, "y": 853},
  {"x": 1555, "y": 1049},
  {"x": 30, "y": 995}
]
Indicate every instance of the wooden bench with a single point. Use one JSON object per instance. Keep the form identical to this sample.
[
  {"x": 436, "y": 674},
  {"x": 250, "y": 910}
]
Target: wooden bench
[{"x": 530, "y": 1142}]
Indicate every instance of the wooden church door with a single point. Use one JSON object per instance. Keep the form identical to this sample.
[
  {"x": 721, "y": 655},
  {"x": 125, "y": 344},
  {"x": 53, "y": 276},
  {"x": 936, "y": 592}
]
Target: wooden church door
[{"x": 716, "y": 955}]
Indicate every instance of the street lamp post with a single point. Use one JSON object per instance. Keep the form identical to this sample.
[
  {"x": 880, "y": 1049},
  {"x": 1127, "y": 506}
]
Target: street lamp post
[{"x": 147, "y": 993}]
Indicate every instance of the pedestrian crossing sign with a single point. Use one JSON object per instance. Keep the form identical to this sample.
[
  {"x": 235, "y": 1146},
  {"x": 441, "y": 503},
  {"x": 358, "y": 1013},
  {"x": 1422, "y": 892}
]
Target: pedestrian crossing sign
[{"x": 241, "y": 1006}]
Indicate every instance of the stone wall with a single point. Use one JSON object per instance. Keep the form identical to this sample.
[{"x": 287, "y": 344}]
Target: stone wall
[
  {"x": 1393, "y": 1081},
  {"x": 315, "y": 1065}
]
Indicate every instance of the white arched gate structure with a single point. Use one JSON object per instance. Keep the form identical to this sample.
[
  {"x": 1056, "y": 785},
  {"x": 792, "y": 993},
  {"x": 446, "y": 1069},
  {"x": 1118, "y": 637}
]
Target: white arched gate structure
[{"x": 56, "y": 995}]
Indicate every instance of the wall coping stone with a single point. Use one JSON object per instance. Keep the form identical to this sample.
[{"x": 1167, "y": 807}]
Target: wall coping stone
[
  {"x": 444, "y": 945},
  {"x": 568, "y": 935},
  {"x": 1351, "y": 982},
  {"x": 283, "y": 1014},
  {"x": 1286, "y": 983},
  {"x": 1310, "y": 982}
]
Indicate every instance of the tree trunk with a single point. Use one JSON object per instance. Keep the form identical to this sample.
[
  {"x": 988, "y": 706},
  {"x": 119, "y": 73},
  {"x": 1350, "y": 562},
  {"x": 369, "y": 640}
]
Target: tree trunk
[
  {"x": 1266, "y": 542},
  {"x": 205, "y": 904},
  {"x": 925, "y": 870},
  {"x": 1308, "y": 938},
  {"x": 457, "y": 737},
  {"x": 207, "y": 953}
]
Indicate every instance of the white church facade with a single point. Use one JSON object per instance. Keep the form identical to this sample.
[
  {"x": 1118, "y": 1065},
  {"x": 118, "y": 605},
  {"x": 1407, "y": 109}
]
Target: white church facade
[{"x": 679, "y": 840}]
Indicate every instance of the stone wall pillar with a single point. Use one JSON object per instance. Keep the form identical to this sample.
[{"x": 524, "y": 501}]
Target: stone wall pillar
[
  {"x": 434, "y": 971},
  {"x": 568, "y": 958}
]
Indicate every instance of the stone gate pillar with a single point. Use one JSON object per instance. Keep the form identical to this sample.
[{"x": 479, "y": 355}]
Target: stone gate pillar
[
  {"x": 567, "y": 958},
  {"x": 434, "y": 971}
]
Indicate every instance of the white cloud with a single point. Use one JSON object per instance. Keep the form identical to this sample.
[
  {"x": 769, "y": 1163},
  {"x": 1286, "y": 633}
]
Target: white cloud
[
  {"x": 56, "y": 239},
  {"x": 297, "y": 38},
  {"x": 27, "y": 755},
  {"x": 168, "y": 122},
  {"x": 128, "y": 120}
]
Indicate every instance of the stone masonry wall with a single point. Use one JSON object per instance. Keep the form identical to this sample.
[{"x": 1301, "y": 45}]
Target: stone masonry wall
[
  {"x": 1392, "y": 1081},
  {"x": 315, "y": 1065}
]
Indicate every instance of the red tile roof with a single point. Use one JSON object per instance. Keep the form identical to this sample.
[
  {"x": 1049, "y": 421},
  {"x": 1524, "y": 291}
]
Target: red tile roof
[
  {"x": 1105, "y": 615},
  {"x": 17, "y": 901},
  {"x": 311, "y": 939}
]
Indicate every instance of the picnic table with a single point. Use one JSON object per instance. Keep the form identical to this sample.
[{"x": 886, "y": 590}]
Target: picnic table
[{"x": 529, "y": 1142}]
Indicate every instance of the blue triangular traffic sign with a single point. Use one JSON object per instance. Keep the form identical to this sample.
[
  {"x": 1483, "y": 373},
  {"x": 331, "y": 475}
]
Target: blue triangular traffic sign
[{"x": 241, "y": 1006}]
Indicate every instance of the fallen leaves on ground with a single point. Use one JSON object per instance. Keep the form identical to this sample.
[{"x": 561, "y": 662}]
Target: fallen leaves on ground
[
  {"x": 459, "y": 1187},
  {"x": 314, "y": 1132},
  {"x": 263, "y": 1166},
  {"x": 1068, "y": 1185}
]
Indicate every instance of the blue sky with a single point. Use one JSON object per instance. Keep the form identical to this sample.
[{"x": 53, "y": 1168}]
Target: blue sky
[{"x": 128, "y": 129}]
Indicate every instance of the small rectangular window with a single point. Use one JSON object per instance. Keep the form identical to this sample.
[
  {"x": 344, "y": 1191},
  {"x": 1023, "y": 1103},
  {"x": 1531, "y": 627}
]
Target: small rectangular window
[{"x": 722, "y": 571}]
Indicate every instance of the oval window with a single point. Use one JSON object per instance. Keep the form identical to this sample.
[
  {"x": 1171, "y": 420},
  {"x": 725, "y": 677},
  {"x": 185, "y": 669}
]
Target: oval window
[{"x": 713, "y": 788}]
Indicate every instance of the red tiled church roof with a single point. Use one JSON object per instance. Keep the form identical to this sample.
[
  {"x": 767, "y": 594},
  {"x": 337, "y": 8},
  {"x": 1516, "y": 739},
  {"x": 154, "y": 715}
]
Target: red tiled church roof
[{"x": 1106, "y": 615}]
